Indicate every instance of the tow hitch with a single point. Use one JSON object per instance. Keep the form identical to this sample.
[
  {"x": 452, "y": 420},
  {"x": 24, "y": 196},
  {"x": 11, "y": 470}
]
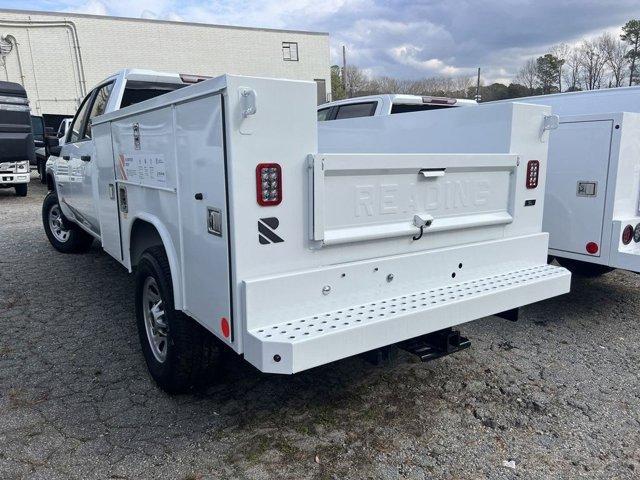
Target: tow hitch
[{"x": 437, "y": 344}]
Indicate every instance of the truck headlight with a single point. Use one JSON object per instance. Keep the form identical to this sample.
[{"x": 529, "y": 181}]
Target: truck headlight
[
  {"x": 8, "y": 167},
  {"x": 22, "y": 166}
]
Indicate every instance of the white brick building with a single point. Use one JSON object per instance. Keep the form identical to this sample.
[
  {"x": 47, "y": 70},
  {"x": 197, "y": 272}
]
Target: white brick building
[{"x": 60, "y": 56}]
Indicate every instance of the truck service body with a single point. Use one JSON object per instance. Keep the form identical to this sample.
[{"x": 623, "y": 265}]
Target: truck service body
[
  {"x": 293, "y": 256},
  {"x": 592, "y": 205}
]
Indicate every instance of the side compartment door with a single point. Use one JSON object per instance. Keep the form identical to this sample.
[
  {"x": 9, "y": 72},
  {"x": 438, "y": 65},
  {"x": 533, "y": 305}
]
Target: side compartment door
[
  {"x": 576, "y": 184},
  {"x": 202, "y": 193},
  {"x": 107, "y": 195}
]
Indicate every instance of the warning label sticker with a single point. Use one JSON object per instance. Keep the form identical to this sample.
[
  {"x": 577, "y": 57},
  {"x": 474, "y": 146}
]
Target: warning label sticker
[{"x": 143, "y": 168}]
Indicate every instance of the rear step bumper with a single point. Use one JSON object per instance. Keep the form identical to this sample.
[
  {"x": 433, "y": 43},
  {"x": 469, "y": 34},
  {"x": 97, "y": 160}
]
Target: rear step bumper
[{"x": 303, "y": 343}]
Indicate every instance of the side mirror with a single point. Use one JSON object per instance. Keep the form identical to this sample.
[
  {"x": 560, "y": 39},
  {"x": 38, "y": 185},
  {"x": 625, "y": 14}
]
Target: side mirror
[
  {"x": 55, "y": 151},
  {"x": 52, "y": 142}
]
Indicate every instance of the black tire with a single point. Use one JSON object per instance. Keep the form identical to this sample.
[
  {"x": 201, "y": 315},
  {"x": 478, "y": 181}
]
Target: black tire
[
  {"x": 584, "y": 269},
  {"x": 22, "y": 189},
  {"x": 77, "y": 240},
  {"x": 191, "y": 353}
]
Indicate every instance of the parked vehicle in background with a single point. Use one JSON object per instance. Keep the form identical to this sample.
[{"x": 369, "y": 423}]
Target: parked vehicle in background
[
  {"x": 593, "y": 180},
  {"x": 17, "y": 149},
  {"x": 38, "y": 129},
  {"x": 239, "y": 229},
  {"x": 42, "y": 148},
  {"x": 387, "y": 104},
  {"x": 52, "y": 121},
  {"x": 39, "y": 133}
]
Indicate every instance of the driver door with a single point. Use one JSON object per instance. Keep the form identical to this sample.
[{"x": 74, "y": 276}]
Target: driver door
[{"x": 80, "y": 152}]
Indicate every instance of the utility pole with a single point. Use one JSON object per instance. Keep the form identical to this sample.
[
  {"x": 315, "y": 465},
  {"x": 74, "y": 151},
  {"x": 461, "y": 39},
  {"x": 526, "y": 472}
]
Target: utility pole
[
  {"x": 344, "y": 68},
  {"x": 478, "y": 96}
]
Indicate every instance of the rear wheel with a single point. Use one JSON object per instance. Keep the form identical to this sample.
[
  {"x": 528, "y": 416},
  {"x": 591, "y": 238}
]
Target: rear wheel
[
  {"x": 64, "y": 236},
  {"x": 584, "y": 269},
  {"x": 21, "y": 189},
  {"x": 180, "y": 354}
]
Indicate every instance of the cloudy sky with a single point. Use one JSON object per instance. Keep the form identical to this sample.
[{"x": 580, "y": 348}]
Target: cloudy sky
[{"x": 403, "y": 38}]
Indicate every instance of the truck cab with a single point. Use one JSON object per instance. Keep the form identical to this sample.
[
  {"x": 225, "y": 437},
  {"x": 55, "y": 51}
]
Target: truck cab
[
  {"x": 388, "y": 104},
  {"x": 71, "y": 164},
  {"x": 17, "y": 149}
]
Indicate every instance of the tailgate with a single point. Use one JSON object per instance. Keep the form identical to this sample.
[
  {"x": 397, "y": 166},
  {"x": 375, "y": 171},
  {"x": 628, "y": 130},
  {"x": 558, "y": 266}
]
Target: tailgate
[{"x": 357, "y": 197}]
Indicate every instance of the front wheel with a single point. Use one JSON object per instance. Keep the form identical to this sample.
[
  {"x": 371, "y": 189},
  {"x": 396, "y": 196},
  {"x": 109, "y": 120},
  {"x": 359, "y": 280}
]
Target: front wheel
[
  {"x": 21, "y": 189},
  {"x": 64, "y": 236},
  {"x": 180, "y": 354}
]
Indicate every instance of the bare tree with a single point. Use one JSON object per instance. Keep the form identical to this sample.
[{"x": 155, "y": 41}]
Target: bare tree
[
  {"x": 571, "y": 71},
  {"x": 461, "y": 85},
  {"x": 561, "y": 51},
  {"x": 616, "y": 57},
  {"x": 528, "y": 75},
  {"x": 592, "y": 63},
  {"x": 356, "y": 82}
]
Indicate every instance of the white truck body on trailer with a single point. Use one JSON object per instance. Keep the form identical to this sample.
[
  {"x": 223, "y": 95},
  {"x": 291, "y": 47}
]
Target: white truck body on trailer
[
  {"x": 343, "y": 253},
  {"x": 592, "y": 206}
]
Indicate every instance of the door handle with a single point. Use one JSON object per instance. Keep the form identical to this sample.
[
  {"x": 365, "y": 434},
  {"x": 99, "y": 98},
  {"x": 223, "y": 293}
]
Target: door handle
[
  {"x": 66, "y": 157},
  {"x": 433, "y": 172},
  {"x": 85, "y": 158}
]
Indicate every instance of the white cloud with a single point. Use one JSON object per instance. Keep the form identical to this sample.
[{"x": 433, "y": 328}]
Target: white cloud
[{"x": 444, "y": 37}]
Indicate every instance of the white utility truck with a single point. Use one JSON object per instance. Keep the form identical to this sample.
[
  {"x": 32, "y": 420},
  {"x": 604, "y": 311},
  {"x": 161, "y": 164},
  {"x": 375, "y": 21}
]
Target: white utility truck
[
  {"x": 386, "y": 104},
  {"x": 592, "y": 205},
  {"x": 242, "y": 233}
]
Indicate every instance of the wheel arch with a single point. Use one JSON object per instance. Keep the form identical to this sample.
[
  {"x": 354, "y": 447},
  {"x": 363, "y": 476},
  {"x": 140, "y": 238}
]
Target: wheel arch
[{"x": 147, "y": 231}]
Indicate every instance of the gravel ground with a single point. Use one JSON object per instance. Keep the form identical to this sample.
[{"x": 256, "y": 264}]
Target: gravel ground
[{"x": 556, "y": 395}]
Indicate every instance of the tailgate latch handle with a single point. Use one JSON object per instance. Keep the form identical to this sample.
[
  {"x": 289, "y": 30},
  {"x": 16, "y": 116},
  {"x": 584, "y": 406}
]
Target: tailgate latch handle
[
  {"x": 432, "y": 172},
  {"x": 421, "y": 221}
]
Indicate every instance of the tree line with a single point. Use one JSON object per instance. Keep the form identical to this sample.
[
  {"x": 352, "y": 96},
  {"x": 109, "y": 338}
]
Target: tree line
[{"x": 607, "y": 61}]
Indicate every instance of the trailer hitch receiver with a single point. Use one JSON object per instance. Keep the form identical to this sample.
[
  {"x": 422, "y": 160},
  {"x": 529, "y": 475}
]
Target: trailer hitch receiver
[{"x": 436, "y": 344}]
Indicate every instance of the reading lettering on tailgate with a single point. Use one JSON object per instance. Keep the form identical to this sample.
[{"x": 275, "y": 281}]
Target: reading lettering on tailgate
[
  {"x": 367, "y": 199},
  {"x": 391, "y": 198}
]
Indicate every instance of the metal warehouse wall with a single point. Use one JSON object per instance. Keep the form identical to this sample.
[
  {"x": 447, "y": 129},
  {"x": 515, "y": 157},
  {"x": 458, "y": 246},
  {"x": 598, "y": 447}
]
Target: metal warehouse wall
[{"x": 56, "y": 74}]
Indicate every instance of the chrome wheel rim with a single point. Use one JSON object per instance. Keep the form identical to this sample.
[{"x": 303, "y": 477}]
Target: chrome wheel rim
[
  {"x": 154, "y": 319},
  {"x": 56, "y": 224}
]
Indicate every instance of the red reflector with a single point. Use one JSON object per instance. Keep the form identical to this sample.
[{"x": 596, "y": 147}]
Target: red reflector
[
  {"x": 268, "y": 184},
  {"x": 225, "y": 327},
  {"x": 627, "y": 234},
  {"x": 592, "y": 248},
  {"x": 533, "y": 168}
]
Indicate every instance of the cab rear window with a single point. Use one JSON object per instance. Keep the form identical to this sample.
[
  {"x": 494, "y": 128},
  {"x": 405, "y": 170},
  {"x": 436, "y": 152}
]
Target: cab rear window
[
  {"x": 323, "y": 114},
  {"x": 136, "y": 92},
  {"x": 399, "y": 108},
  {"x": 355, "y": 110}
]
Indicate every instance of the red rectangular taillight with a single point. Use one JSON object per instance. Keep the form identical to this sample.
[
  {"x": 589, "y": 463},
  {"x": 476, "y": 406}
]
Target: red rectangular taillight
[
  {"x": 268, "y": 184},
  {"x": 533, "y": 169}
]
